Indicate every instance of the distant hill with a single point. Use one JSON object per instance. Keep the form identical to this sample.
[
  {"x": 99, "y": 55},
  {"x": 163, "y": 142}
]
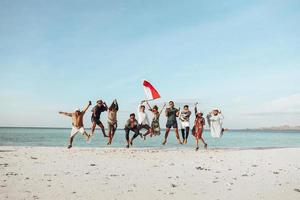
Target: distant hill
[{"x": 281, "y": 128}]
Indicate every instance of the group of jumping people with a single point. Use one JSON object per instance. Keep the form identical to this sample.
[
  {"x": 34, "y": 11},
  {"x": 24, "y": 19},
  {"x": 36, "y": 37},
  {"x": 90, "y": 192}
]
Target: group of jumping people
[{"x": 214, "y": 119}]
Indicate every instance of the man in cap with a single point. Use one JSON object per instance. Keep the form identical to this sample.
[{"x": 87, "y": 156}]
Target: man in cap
[
  {"x": 77, "y": 123},
  {"x": 172, "y": 113},
  {"x": 97, "y": 110}
]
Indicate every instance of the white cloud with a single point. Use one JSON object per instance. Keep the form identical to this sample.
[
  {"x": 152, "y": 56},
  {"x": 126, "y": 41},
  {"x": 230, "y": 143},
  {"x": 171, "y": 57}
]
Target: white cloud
[{"x": 289, "y": 105}]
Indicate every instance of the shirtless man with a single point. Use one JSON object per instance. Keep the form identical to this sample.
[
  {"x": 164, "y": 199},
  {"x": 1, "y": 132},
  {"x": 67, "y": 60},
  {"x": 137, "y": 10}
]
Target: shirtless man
[
  {"x": 77, "y": 122},
  {"x": 172, "y": 113},
  {"x": 112, "y": 120}
]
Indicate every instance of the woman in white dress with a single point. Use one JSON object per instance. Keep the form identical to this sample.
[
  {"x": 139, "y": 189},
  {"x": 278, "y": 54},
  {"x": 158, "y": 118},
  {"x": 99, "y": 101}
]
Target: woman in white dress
[{"x": 215, "y": 120}]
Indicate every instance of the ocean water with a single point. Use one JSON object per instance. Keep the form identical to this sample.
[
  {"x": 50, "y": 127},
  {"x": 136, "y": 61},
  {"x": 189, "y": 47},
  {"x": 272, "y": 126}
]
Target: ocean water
[{"x": 57, "y": 137}]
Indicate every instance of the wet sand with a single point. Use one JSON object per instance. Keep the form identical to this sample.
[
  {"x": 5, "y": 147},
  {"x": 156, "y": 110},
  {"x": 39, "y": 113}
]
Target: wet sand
[{"x": 93, "y": 173}]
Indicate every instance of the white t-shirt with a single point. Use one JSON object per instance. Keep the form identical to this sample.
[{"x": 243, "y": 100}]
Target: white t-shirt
[{"x": 142, "y": 117}]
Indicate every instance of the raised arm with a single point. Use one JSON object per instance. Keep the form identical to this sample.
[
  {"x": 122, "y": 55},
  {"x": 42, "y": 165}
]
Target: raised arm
[
  {"x": 87, "y": 107},
  {"x": 66, "y": 114},
  {"x": 196, "y": 111},
  {"x": 139, "y": 107},
  {"x": 117, "y": 105},
  {"x": 149, "y": 106},
  {"x": 162, "y": 108},
  {"x": 221, "y": 115},
  {"x": 105, "y": 106}
]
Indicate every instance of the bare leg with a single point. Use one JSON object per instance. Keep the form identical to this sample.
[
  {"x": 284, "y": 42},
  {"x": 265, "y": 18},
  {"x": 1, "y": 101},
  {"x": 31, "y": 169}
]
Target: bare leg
[
  {"x": 103, "y": 130},
  {"x": 127, "y": 137},
  {"x": 187, "y": 131},
  {"x": 113, "y": 133},
  {"x": 109, "y": 134},
  {"x": 136, "y": 133},
  {"x": 147, "y": 133},
  {"x": 197, "y": 143},
  {"x": 86, "y": 135},
  {"x": 93, "y": 128},
  {"x": 205, "y": 145},
  {"x": 177, "y": 135},
  {"x": 166, "y": 136},
  {"x": 71, "y": 141}
]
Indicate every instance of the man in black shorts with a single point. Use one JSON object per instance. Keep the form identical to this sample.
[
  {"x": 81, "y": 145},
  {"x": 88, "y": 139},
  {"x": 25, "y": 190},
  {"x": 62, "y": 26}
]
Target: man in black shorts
[
  {"x": 171, "y": 114},
  {"x": 131, "y": 125},
  {"x": 97, "y": 110}
]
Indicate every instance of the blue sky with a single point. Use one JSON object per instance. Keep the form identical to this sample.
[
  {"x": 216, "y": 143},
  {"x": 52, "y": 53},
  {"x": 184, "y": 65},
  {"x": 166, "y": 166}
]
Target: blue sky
[{"x": 242, "y": 57}]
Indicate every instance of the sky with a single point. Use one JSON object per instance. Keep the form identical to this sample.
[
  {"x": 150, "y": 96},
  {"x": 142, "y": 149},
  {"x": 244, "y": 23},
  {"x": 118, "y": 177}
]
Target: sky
[{"x": 240, "y": 56}]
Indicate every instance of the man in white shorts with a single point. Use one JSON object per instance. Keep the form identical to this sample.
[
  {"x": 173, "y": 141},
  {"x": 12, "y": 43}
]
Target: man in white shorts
[
  {"x": 77, "y": 122},
  {"x": 184, "y": 118}
]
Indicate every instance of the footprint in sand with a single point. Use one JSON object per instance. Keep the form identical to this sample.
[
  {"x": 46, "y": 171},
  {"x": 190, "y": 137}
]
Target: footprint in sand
[
  {"x": 4, "y": 164},
  {"x": 200, "y": 168},
  {"x": 11, "y": 174}
]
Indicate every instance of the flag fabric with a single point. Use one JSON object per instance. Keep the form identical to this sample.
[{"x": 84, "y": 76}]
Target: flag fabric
[{"x": 151, "y": 92}]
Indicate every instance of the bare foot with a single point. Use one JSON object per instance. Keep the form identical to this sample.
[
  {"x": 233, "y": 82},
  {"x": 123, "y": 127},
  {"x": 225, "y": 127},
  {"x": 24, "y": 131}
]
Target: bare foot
[
  {"x": 164, "y": 142},
  {"x": 88, "y": 138}
]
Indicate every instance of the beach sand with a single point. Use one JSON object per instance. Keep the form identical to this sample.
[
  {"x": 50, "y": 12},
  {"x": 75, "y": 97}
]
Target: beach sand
[{"x": 93, "y": 173}]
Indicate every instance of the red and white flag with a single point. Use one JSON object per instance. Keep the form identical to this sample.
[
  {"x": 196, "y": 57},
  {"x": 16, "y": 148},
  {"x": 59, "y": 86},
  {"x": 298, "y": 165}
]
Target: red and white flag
[{"x": 151, "y": 92}]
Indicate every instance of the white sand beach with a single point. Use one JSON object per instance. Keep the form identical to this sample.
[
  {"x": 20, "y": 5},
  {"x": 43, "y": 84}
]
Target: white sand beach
[{"x": 93, "y": 173}]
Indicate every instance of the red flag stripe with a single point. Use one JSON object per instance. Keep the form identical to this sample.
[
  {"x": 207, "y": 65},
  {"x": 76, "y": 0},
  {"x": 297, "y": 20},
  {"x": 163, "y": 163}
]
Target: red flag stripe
[{"x": 153, "y": 91}]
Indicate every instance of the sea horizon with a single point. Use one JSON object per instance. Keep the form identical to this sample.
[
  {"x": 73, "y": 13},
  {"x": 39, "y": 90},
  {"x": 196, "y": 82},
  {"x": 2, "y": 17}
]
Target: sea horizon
[
  {"x": 58, "y": 137},
  {"x": 206, "y": 129}
]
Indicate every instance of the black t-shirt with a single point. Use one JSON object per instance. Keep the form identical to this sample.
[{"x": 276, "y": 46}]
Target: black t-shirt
[{"x": 98, "y": 110}]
